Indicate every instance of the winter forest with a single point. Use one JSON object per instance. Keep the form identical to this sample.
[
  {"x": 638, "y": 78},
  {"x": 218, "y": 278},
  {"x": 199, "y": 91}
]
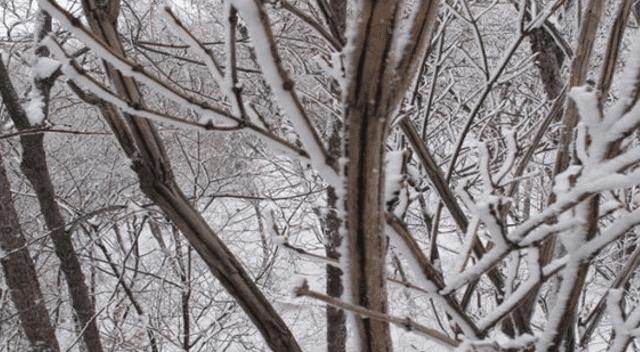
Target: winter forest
[{"x": 320, "y": 175}]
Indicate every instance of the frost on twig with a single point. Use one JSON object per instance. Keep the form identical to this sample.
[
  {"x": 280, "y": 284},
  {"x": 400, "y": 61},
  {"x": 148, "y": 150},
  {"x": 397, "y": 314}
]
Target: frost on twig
[{"x": 210, "y": 116}]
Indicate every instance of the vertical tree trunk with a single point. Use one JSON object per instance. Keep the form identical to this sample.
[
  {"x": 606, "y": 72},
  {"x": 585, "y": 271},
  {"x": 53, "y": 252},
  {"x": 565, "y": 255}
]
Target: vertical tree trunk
[
  {"x": 335, "y": 12},
  {"x": 367, "y": 118},
  {"x": 20, "y": 274},
  {"x": 336, "y": 320},
  {"x": 365, "y": 213},
  {"x": 383, "y": 62}
]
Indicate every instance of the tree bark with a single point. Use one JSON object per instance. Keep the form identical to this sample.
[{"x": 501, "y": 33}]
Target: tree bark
[
  {"x": 20, "y": 274},
  {"x": 336, "y": 319},
  {"x": 366, "y": 131},
  {"x": 379, "y": 76},
  {"x": 335, "y": 12}
]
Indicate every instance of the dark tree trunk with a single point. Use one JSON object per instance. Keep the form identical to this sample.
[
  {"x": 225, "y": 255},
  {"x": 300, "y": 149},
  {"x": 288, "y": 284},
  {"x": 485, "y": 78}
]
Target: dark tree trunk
[
  {"x": 335, "y": 13},
  {"x": 20, "y": 274},
  {"x": 336, "y": 320}
]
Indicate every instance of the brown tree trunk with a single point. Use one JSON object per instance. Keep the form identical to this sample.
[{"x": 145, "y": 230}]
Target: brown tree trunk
[
  {"x": 366, "y": 131},
  {"x": 365, "y": 215},
  {"x": 20, "y": 274},
  {"x": 378, "y": 80},
  {"x": 34, "y": 166}
]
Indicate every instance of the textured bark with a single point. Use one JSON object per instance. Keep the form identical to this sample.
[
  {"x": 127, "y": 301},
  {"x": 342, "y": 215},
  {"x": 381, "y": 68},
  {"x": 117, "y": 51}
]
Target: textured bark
[
  {"x": 139, "y": 139},
  {"x": 366, "y": 132},
  {"x": 378, "y": 82},
  {"x": 35, "y": 168},
  {"x": 20, "y": 274},
  {"x": 335, "y": 12},
  {"x": 549, "y": 61},
  {"x": 336, "y": 320}
]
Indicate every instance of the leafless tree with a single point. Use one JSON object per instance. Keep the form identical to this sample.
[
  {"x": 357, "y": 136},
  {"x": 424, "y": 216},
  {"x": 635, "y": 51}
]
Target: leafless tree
[{"x": 477, "y": 157}]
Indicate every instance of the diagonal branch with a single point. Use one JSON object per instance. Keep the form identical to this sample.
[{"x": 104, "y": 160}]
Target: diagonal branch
[
  {"x": 283, "y": 87},
  {"x": 406, "y": 323}
]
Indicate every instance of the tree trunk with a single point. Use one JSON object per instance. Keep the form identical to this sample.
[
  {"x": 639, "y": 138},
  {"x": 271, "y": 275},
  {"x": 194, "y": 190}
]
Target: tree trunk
[
  {"x": 336, "y": 320},
  {"x": 383, "y": 64},
  {"x": 367, "y": 118},
  {"x": 20, "y": 274},
  {"x": 335, "y": 12}
]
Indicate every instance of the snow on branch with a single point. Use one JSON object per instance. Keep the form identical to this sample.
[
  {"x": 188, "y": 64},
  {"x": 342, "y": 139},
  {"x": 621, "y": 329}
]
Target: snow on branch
[
  {"x": 205, "y": 54},
  {"x": 208, "y": 113},
  {"x": 74, "y": 72},
  {"x": 129, "y": 68},
  {"x": 257, "y": 21},
  {"x": 603, "y": 164}
]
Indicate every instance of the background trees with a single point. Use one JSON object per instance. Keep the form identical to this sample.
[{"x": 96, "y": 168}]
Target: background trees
[{"x": 449, "y": 174}]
